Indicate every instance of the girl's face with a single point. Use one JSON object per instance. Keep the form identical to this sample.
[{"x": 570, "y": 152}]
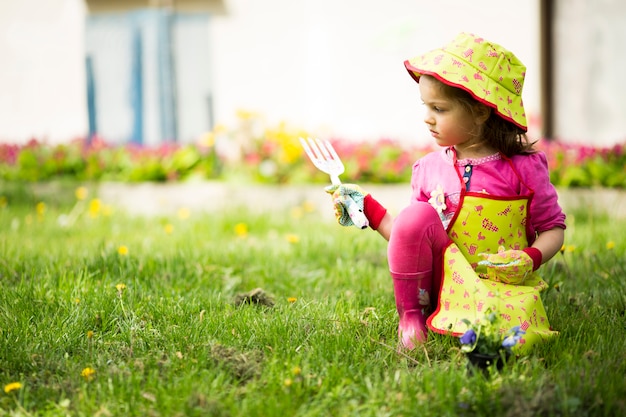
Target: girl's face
[{"x": 449, "y": 121}]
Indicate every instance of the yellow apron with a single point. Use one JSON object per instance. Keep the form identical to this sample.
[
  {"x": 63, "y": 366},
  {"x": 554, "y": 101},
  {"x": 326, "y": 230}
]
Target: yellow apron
[{"x": 481, "y": 224}]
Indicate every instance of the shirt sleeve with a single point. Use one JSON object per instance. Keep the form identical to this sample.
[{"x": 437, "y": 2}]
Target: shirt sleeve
[
  {"x": 431, "y": 172},
  {"x": 545, "y": 211},
  {"x": 417, "y": 186}
]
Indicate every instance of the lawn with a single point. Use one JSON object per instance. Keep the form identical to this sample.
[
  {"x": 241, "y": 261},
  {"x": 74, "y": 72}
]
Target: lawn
[{"x": 273, "y": 314}]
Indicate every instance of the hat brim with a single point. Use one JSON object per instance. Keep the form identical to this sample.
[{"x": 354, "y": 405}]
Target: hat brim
[{"x": 507, "y": 105}]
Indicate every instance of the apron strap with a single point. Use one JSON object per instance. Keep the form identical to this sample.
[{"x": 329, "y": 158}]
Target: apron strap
[{"x": 519, "y": 177}]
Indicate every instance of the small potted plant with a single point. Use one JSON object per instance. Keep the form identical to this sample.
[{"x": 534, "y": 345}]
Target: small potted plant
[{"x": 486, "y": 344}]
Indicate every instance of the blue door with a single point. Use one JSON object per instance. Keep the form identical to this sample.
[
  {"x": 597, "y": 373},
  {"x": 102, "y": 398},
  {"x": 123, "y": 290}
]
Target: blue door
[{"x": 144, "y": 69}]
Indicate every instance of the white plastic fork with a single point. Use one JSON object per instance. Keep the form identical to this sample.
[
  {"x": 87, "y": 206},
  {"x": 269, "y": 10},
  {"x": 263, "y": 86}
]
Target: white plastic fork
[{"x": 324, "y": 157}]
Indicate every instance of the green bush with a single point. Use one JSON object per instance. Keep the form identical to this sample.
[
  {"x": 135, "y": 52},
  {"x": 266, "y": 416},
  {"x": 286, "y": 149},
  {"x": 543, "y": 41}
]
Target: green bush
[
  {"x": 272, "y": 156},
  {"x": 96, "y": 161},
  {"x": 586, "y": 166}
]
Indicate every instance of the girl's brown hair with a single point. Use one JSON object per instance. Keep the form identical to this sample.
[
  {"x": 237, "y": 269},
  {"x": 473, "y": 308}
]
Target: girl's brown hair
[{"x": 499, "y": 133}]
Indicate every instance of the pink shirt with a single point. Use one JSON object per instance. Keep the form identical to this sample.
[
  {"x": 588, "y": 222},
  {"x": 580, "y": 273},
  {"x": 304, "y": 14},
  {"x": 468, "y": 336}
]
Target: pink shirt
[{"x": 493, "y": 175}]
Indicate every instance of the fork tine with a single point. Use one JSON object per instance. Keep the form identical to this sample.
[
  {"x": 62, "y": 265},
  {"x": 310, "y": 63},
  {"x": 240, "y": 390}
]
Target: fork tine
[
  {"x": 319, "y": 155},
  {"x": 322, "y": 145},
  {"x": 307, "y": 149},
  {"x": 324, "y": 157},
  {"x": 332, "y": 151},
  {"x": 314, "y": 154}
]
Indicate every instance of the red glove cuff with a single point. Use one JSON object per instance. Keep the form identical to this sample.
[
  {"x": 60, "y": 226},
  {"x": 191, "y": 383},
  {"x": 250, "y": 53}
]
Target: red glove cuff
[
  {"x": 374, "y": 211},
  {"x": 535, "y": 255}
]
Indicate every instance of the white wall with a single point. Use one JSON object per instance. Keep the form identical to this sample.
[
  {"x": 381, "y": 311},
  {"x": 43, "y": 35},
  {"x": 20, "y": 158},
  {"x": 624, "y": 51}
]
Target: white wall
[
  {"x": 589, "y": 84},
  {"x": 42, "y": 70},
  {"x": 339, "y": 63},
  {"x": 330, "y": 66}
]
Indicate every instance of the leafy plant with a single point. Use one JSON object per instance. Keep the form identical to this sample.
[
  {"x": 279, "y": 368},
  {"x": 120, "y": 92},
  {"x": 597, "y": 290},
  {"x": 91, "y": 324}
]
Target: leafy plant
[
  {"x": 96, "y": 160},
  {"x": 573, "y": 165},
  {"x": 485, "y": 335},
  {"x": 251, "y": 151}
]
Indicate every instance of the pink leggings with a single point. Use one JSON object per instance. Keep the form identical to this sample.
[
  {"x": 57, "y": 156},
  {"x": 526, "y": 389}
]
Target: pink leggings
[{"x": 416, "y": 244}]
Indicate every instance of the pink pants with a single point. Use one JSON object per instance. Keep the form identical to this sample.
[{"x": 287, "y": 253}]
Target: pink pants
[{"x": 416, "y": 245}]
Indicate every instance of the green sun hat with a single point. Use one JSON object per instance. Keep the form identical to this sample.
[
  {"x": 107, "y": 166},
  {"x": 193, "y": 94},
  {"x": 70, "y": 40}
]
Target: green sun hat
[{"x": 489, "y": 72}]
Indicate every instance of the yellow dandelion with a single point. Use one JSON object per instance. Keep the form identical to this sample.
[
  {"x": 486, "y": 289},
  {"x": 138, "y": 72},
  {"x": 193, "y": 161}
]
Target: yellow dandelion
[
  {"x": 220, "y": 129},
  {"x": 246, "y": 114},
  {"x": 296, "y": 370},
  {"x": 88, "y": 373},
  {"x": 308, "y": 207},
  {"x": 291, "y": 238},
  {"x": 241, "y": 229},
  {"x": 610, "y": 245},
  {"x": 120, "y": 287},
  {"x": 183, "y": 213},
  {"x": 292, "y": 150},
  {"x": 40, "y": 208},
  {"x": 288, "y": 382},
  {"x": 77, "y": 300},
  {"x": 168, "y": 228},
  {"x": 297, "y": 213},
  {"x": 570, "y": 248},
  {"x": 90, "y": 334},
  {"x": 81, "y": 193},
  {"x": 95, "y": 205},
  {"x": 207, "y": 139},
  {"x": 122, "y": 250},
  {"x": 292, "y": 300},
  {"x": 13, "y": 386}
]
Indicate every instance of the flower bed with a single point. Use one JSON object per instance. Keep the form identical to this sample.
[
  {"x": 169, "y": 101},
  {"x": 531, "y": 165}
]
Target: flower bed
[
  {"x": 586, "y": 166},
  {"x": 256, "y": 154},
  {"x": 96, "y": 161}
]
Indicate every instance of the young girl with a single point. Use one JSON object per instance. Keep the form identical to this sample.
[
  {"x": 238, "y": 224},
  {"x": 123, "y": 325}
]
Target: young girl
[{"x": 483, "y": 215}]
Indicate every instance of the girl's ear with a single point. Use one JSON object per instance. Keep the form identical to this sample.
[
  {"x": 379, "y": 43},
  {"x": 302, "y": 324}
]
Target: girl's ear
[{"x": 481, "y": 113}]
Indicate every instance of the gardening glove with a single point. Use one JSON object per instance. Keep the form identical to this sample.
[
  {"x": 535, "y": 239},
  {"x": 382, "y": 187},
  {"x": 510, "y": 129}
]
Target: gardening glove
[
  {"x": 510, "y": 266},
  {"x": 347, "y": 202},
  {"x": 355, "y": 207}
]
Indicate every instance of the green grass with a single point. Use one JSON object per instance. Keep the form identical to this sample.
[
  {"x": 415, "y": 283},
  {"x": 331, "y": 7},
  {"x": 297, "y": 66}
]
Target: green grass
[{"x": 173, "y": 342}]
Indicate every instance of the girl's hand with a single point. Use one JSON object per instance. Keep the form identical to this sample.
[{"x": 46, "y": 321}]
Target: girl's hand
[
  {"x": 508, "y": 266},
  {"x": 348, "y": 204}
]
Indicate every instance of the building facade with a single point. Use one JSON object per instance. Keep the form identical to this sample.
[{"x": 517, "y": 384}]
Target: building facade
[{"x": 153, "y": 71}]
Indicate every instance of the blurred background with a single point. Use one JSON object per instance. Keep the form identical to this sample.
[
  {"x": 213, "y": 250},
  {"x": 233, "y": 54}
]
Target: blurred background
[{"x": 156, "y": 71}]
